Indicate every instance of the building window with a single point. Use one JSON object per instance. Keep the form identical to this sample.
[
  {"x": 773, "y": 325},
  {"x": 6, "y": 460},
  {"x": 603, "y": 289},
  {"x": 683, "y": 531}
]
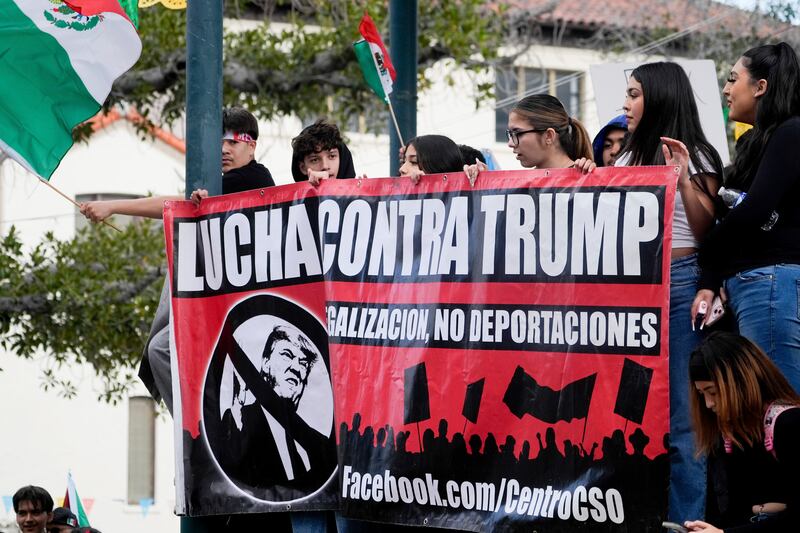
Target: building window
[
  {"x": 119, "y": 220},
  {"x": 141, "y": 449},
  {"x": 512, "y": 83}
]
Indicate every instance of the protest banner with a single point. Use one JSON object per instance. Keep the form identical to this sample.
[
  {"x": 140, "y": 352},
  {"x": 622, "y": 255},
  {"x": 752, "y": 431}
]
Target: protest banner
[
  {"x": 253, "y": 403},
  {"x": 478, "y": 341}
]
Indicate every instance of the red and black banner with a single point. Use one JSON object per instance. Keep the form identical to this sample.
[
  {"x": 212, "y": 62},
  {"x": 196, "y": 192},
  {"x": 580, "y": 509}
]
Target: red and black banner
[{"x": 495, "y": 356}]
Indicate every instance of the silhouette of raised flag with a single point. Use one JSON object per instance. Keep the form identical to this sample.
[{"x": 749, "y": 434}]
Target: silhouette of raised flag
[
  {"x": 525, "y": 396},
  {"x": 417, "y": 403},
  {"x": 472, "y": 400},
  {"x": 634, "y": 388}
]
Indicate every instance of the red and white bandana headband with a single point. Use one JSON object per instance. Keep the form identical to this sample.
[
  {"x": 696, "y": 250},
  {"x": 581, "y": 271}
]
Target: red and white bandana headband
[{"x": 238, "y": 137}]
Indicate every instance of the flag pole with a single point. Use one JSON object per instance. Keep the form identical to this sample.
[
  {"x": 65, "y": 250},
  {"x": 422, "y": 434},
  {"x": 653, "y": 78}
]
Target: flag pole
[
  {"x": 394, "y": 120},
  {"x": 73, "y": 202},
  {"x": 585, "y": 421}
]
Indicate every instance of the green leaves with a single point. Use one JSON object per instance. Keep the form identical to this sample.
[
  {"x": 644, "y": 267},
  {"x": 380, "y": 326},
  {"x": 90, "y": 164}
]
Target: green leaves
[
  {"x": 301, "y": 63},
  {"x": 89, "y": 300}
]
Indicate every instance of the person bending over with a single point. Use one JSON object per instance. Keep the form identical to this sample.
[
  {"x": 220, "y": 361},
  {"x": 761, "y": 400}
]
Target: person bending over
[{"x": 746, "y": 417}]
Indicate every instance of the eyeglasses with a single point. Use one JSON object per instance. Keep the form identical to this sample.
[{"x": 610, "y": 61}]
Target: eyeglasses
[{"x": 513, "y": 135}]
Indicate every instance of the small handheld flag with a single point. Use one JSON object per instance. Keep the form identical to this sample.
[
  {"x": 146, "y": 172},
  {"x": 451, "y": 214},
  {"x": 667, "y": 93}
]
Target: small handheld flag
[
  {"x": 376, "y": 65},
  {"x": 374, "y": 59},
  {"x": 73, "y": 502}
]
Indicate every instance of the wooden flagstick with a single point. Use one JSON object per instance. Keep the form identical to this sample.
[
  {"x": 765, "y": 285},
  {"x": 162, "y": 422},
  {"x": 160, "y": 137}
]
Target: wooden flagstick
[
  {"x": 73, "y": 202},
  {"x": 419, "y": 438},
  {"x": 394, "y": 119}
]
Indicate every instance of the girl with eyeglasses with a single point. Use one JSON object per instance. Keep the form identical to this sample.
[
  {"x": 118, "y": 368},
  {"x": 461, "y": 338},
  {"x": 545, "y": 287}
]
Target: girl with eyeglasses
[
  {"x": 747, "y": 420},
  {"x": 542, "y": 135},
  {"x": 662, "y": 119}
]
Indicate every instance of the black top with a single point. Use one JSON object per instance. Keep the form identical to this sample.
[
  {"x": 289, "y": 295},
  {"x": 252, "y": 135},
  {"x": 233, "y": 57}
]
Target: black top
[
  {"x": 738, "y": 243},
  {"x": 251, "y": 176},
  {"x": 754, "y": 476}
]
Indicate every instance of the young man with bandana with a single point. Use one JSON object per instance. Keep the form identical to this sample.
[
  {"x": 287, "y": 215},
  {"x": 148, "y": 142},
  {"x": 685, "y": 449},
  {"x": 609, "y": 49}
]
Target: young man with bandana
[{"x": 241, "y": 172}]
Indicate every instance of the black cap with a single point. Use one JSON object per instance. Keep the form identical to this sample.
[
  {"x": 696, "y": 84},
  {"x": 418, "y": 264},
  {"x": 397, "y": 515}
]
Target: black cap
[{"x": 63, "y": 517}]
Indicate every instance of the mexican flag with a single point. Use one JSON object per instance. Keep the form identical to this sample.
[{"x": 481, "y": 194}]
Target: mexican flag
[
  {"x": 73, "y": 502},
  {"x": 58, "y": 60},
  {"x": 374, "y": 59}
]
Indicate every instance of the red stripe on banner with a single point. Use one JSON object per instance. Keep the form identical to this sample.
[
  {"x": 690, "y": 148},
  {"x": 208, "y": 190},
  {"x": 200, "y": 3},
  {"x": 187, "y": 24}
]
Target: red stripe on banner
[{"x": 542, "y": 293}]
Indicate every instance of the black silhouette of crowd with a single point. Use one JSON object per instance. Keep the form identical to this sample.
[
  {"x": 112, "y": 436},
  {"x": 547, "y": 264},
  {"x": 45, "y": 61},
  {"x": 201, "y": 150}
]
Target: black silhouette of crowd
[{"x": 618, "y": 464}]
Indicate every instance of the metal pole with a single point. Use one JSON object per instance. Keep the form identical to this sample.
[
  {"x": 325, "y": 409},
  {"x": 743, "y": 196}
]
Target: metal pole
[
  {"x": 203, "y": 126},
  {"x": 204, "y": 96},
  {"x": 403, "y": 50}
]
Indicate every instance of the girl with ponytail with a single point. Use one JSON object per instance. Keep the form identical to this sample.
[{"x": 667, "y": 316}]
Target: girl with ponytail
[{"x": 543, "y": 135}]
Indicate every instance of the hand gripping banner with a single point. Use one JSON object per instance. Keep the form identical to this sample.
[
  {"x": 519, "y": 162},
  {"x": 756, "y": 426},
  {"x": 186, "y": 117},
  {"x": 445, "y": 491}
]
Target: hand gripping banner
[{"x": 496, "y": 354}]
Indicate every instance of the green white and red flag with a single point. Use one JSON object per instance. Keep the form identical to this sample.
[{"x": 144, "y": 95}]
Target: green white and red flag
[
  {"x": 374, "y": 60},
  {"x": 73, "y": 502},
  {"x": 58, "y": 60}
]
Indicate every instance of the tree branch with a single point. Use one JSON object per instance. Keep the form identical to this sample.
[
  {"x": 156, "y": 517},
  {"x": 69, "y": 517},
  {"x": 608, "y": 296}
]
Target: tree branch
[{"x": 119, "y": 292}]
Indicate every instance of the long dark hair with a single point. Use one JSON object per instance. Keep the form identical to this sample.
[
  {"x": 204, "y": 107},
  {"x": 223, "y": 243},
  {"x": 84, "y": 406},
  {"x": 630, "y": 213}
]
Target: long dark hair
[
  {"x": 747, "y": 382},
  {"x": 776, "y": 63},
  {"x": 437, "y": 154},
  {"x": 545, "y": 111},
  {"x": 669, "y": 111}
]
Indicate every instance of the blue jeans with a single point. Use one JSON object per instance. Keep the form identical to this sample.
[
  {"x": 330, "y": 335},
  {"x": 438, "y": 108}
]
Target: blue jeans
[
  {"x": 687, "y": 484},
  {"x": 350, "y": 525},
  {"x": 312, "y": 522},
  {"x": 766, "y": 304}
]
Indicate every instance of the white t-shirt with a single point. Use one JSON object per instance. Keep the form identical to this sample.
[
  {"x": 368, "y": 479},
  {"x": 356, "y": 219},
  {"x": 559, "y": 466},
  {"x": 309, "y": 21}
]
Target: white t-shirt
[{"x": 682, "y": 236}]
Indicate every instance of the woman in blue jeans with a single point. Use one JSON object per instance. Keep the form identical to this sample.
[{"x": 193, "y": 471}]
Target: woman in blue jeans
[
  {"x": 754, "y": 252},
  {"x": 659, "y": 103}
]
